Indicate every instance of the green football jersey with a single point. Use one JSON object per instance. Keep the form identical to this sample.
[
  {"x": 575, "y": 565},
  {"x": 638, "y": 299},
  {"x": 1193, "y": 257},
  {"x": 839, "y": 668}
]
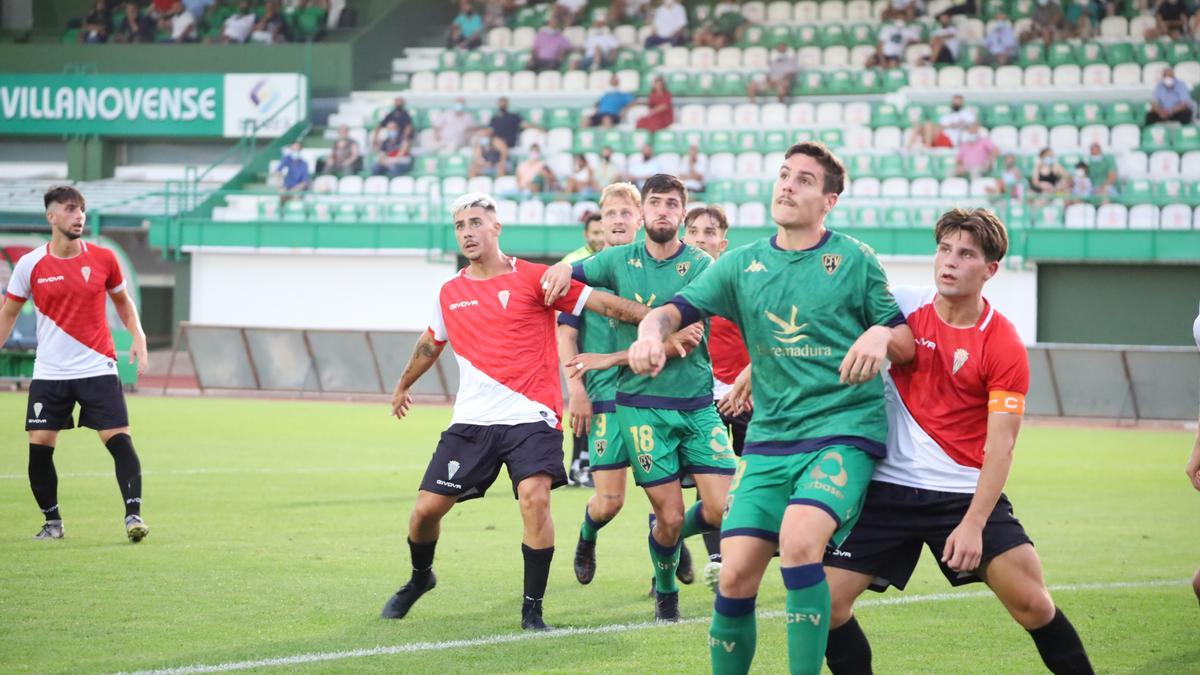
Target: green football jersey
[
  {"x": 597, "y": 335},
  {"x": 800, "y": 312},
  {"x": 683, "y": 384}
]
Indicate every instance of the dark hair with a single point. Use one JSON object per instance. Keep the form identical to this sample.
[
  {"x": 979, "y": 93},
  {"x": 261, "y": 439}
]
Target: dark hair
[
  {"x": 835, "y": 171},
  {"x": 664, "y": 183},
  {"x": 590, "y": 217},
  {"x": 714, "y": 212},
  {"x": 983, "y": 225},
  {"x": 1081, "y": 164},
  {"x": 64, "y": 194}
]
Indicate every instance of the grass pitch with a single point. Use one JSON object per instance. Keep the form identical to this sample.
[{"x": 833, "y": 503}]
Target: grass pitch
[{"x": 277, "y": 530}]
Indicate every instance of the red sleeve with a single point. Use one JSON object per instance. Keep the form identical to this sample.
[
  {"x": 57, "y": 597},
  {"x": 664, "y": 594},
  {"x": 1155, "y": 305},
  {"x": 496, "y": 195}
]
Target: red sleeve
[
  {"x": 1007, "y": 367},
  {"x": 114, "y": 272},
  {"x": 570, "y": 303}
]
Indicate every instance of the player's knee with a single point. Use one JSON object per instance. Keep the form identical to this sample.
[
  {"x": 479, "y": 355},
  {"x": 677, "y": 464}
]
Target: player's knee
[
  {"x": 535, "y": 501},
  {"x": 713, "y": 513},
  {"x": 841, "y": 608},
  {"x": 670, "y": 523},
  {"x": 801, "y": 550},
  {"x": 1033, "y": 608},
  {"x": 1196, "y": 583},
  {"x": 608, "y": 505},
  {"x": 735, "y": 582}
]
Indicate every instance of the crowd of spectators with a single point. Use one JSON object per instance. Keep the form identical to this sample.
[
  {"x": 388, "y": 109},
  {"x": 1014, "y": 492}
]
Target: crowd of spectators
[{"x": 211, "y": 21}]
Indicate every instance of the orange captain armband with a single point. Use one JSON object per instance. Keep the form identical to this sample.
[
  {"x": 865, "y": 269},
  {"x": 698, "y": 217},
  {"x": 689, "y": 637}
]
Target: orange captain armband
[{"x": 1011, "y": 402}]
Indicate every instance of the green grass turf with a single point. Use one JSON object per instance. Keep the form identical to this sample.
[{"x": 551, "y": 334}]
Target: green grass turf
[{"x": 278, "y": 529}]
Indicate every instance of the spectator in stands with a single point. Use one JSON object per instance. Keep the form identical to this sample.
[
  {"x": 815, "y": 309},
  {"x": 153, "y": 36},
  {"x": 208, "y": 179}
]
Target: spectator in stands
[
  {"x": 239, "y": 25},
  {"x": 1172, "y": 100},
  {"x": 662, "y": 109},
  {"x": 466, "y": 32},
  {"x": 179, "y": 23},
  {"x": 489, "y": 156},
  {"x": 96, "y": 26},
  {"x": 600, "y": 49},
  {"x": 1048, "y": 23},
  {"x": 894, "y": 38},
  {"x": 399, "y": 115},
  {"x": 644, "y": 165},
  {"x": 1000, "y": 43},
  {"x": 393, "y": 153},
  {"x": 198, "y": 7},
  {"x": 569, "y": 12},
  {"x": 533, "y": 175},
  {"x": 135, "y": 27},
  {"x": 692, "y": 169},
  {"x": 160, "y": 9},
  {"x": 724, "y": 26},
  {"x": 611, "y": 105},
  {"x": 1049, "y": 178},
  {"x": 943, "y": 41},
  {"x": 310, "y": 19},
  {"x": 550, "y": 46},
  {"x": 294, "y": 170},
  {"x": 627, "y": 11},
  {"x": 949, "y": 127},
  {"x": 670, "y": 25},
  {"x": 779, "y": 78},
  {"x": 507, "y": 125},
  {"x": 1102, "y": 172},
  {"x": 452, "y": 130},
  {"x": 271, "y": 27},
  {"x": 976, "y": 154},
  {"x": 582, "y": 179},
  {"x": 1081, "y": 185},
  {"x": 498, "y": 13},
  {"x": 1171, "y": 19},
  {"x": 1011, "y": 182},
  {"x": 345, "y": 157},
  {"x": 901, "y": 10},
  {"x": 608, "y": 170}
]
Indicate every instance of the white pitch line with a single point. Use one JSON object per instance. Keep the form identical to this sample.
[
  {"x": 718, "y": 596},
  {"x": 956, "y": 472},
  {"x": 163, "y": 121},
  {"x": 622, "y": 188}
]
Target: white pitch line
[
  {"x": 220, "y": 471},
  {"x": 302, "y": 659}
]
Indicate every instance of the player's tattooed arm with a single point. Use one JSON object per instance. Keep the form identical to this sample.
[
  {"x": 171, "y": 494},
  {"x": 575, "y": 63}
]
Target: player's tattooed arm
[
  {"x": 677, "y": 345},
  {"x": 616, "y": 307},
  {"x": 425, "y": 354},
  {"x": 647, "y": 355}
]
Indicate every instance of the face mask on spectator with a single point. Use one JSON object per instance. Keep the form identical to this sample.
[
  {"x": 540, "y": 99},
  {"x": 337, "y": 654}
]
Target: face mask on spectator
[
  {"x": 458, "y": 107},
  {"x": 1048, "y": 161},
  {"x": 287, "y": 152},
  {"x": 1043, "y": 2},
  {"x": 1080, "y": 173},
  {"x": 392, "y": 133},
  {"x": 1169, "y": 82},
  {"x": 535, "y": 154}
]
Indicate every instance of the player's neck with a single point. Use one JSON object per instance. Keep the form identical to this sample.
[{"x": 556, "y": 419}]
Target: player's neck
[
  {"x": 490, "y": 265},
  {"x": 798, "y": 239},
  {"x": 64, "y": 247},
  {"x": 962, "y": 312},
  {"x": 662, "y": 251}
]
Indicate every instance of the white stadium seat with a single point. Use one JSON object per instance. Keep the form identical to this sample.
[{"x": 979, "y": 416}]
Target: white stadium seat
[
  {"x": 857, "y": 138},
  {"x": 755, "y": 11},
  {"x": 480, "y": 184},
  {"x": 676, "y": 58},
  {"x": 981, "y": 186},
  {"x": 325, "y": 184},
  {"x": 350, "y": 185},
  {"x": 888, "y": 138},
  {"x": 1093, "y": 133},
  {"x": 773, "y": 115},
  {"x": 1164, "y": 163},
  {"x": 779, "y": 12},
  {"x": 1133, "y": 164},
  {"x": 1067, "y": 76},
  {"x": 524, "y": 81},
  {"x": 448, "y": 80},
  {"x": 924, "y": 187},
  {"x": 1125, "y": 137},
  {"x": 1008, "y": 77},
  {"x": 531, "y": 212},
  {"x": 473, "y": 82},
  {"x": 1189, "y": 72},
  {"x": 955, "y": 187},
  {"x": 831, "y": 11},
  {"x": 829, "y": 112},
  {"x": 1080, "y": 216},
  {"x": 505, "y": 185},
  {"x": 549, "y": 81},
  {"x": 522, "y": 38},
  {"x": 1112, "y": 217},
  {"x": 745, "y": 116},
  {"x": 1064, "y": 138},
  {"x": 1034, "y": 138},
  {"x": 858, "y": 10},
  {"x": 506, "y": 211},
  {"x": 402, "y": 185},
  {"x": 499, "y": 37},
  {"x": 951, "y": 77},
  {"x": 702, "y": 58},
  {"x": 1097, "y": 75},
  {"x": 575, "y": 81},
  {"x": 453, "y": 186},
  {"x": 922, "y": 77},
  {"x": 1005, "y": 137},
  {"x": 755, "y": 58},
  {"x": 722, "y": 165},
  {"x": 809, "y": 57},
  {"x": 1127, "y": 75},
  {"x": 1189, "y": 165},
  {"x": 1196, "y": 219},
  {"x": 558, "y": 213},
  {"x": 749, "y": 164},
  {"x": 857, "y": 113},
  {"x": 979, "y": 77},
  {"x": 805, "y": 12},
  {"x": 1038, "y": 77},
  {"x": 1138, "y": 26},
  {"x": 802, "y": 114},
  {"x": 498, "y": 81},
  {"x": 626, "y": 35},
  {"x": 860, "y": 54},
  {"x": 752, "y": 214},
  {"x": 1152, "y": 72},
  {"x": 1176, "y": 217},
  {"x": 894, "y": 187},
  {"x": 1115, "y": 27},
  {"x": 375, "y": 185},
  {"x": 729, "y": 58},
  {"x": 423, "y": 81},
  {"x": 1143, "y": 217},
  {"x": 692, "y": 115},
  {"x": 866, "y": 187}
]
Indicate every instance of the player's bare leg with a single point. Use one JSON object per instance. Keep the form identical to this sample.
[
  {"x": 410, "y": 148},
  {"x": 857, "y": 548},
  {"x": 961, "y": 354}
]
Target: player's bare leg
[
  {"x": 667, "y": 501},
  {"x": 1196, "y": 584},
  {"x": 43, "y": 480},
  {"x": 847, "y": 652},
  {"x": 129, "y": 479},
  {"x": 802, "y": 538},
  {"x": 733, "y": 632},
  {"x": 704, "y": 517},
  {"x": 604, "y": 505},
  {"x": 1015, "y": 576},
  {"x": 537, "y": 546},
  {"x": 424, "y": 527}
]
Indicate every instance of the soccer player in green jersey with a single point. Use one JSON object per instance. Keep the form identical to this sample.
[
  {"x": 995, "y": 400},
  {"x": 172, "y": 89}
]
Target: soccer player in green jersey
[
  {"x": 596, "y": 234},
  {"x": 669, "y": 422},
  {"x": 819, "y": 321}
]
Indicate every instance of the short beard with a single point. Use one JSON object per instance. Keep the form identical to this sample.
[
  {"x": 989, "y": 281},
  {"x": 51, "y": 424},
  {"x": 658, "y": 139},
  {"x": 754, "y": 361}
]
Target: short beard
[
  {"x": 662, "y": 236},
  {"x": 71, "y": 235}
]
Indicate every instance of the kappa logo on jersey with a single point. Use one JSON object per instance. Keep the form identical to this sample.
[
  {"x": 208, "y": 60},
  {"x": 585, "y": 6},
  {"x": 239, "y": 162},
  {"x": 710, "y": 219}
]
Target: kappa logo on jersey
[
  {"x": 683, "y": 268},
  {"x": 788, "y": 332},
  {"x": 464, "y": 303},
  {"x": 831, "y": 262},
  {"x": 600, "y": 446},
  {"x": 960, "y": 359},
  {"x": 452, "y": 468},
  {"x": 636, "y": 262},
  {"x": 755, "y": 266},
  {"x": 86, "y": 272},
  {"x": 503, "y": 295},
  {"x": 643, "y": 301},
  {"x": 50, "y": 280}
]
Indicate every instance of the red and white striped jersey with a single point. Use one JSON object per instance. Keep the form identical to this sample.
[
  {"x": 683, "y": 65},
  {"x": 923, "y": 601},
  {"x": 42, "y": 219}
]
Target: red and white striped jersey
[
  {"x": 69, "y": 301},
  {"x": 503, "y": 336},
  {"x": 727, "y": 349},
  {"x": 938, "y": 404}
]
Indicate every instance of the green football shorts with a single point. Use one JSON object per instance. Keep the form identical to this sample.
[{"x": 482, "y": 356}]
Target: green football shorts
[
  {"x": 664, "y": 445},
  {"x": 833, "y": 479},
  {"x": 606, "y": 444}
]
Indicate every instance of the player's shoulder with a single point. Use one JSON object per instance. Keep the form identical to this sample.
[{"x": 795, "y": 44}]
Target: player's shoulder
[
  {"x": 27, "y": 262},
  {"x": 914, "y": 299},
  {"x": 528, "y": 267},
  {"x": 848, "y": 246},
  {"x": 999, "y": 330}
]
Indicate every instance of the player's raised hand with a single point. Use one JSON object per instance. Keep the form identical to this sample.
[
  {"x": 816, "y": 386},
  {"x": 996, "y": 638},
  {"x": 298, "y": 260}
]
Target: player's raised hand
[
  {"x": 139, "y": 354},
  {"x": 647, "y": 356},
  {"x": 401, "y": 402},
  {"x": 1193, "y": 464},
  {"x": 866, "y": 356},
  {"x": 737, "y": 400},
  {"x": 555, "y": 282},
  {"x": 964, "y": 548},
  {"x": 579, "y": 407},
  {"x": 583, "y": 363},
  {"x": 684, "y": 340}
]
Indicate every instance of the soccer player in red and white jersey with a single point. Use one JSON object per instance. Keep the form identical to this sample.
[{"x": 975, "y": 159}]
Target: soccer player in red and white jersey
[
  {"x": 509, "y": 403},
  {"x": 68, "y": 281},
  {"x": 1193, "y": 464},
  {"x": 954, "y": 412}
]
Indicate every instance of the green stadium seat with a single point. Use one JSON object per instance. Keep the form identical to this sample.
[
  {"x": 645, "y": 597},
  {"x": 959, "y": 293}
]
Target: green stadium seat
[
  {"x": 1170, "y": 191},
  {"x": 629, "y": 59},
  {"x": 295, "y": 210},
  {"x": 585, "y": 141},
  {"x": 832, "y": 35},
  {"x": 803, "y": 135},
  {"x": 615, "y": 139},
  {"x": 1117, "y": 53},
  {"x": 868, "y": 216},
  {"x": 636, "y": 139},
  {"x": 832, "y": 137},
  {"x": 731, "y": 84},
  {"x": 1029, "y": 113},
  {"x": 860, "y": 166},
  {"x": 891, "y": 165},
  {"x": 886, "y": 115},
  {"x": 924, "y": 216},
  {"x": 346, "y": 212},
  {"x": 838, "y": 218},
  {"x": 868, "y": 81},
  {"x": 1061, "y": 54},
  {"x": 1186, "y": 138},
  {"x": 452, "y": 166},
  {"x": 669, "y": 141},
  {"x": 1090, "y": 52},
  {"x": 751, "y": 191},
  {"x": 1015, "y": 214},
  {"x": 651, "y": 59},
  {"x": 1148, "y": 52},
  {"x": 1059, "y": 113},
  {"x": 448, "y": 59},
  {"x": 718, "y": 191},
  {"x": 861, "y": 34},
  {"x": 895, "y": 79},
  {"x": 475, "y": 60},
  {"x": 839, "y": 82},
  {"x": 719, "y": 141},
  {"x": 1178, "y": 51},
  {"x": 896, "y": 216},
  {"x": 1155, "y": 137},
  {"x": 747, "y": 141},
  {"x": 804, "y": 36},
  {"x": 1049, "y": 216},
  {"x": 988, "y": 9},
  {"x": 1089, "y": 113},
  {"x": 999, "y": 114},
  {"x": 810, "y": 83},
  {"x": 1122, "y": 112},
  {"x": 1137, "y": 191},
  {"x": 560, "y": 118},
  {"x": 970, "y": 55},
  {"x": 1020, "y": 9},
  {"x": 914, "y": 114},
  {"x": 1031, "y": 54},
  {"x": 498, "y": 61},
  {"x": 753, "y": 36},
  {"x": 678, "y": 82}
]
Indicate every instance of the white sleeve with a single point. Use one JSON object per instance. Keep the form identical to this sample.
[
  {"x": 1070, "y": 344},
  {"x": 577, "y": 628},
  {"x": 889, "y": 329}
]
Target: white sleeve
[
  {"x": 1196, "y": 331},
  {"x": 18, "y": 284},
  {"x": 437, "y": 325},
  {"x": 912, "y": 297}
]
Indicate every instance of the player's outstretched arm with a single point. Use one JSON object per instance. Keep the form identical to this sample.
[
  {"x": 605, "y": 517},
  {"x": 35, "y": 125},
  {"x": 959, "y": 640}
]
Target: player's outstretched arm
[
  {"x": 865, "y": 358},
  {"x": 8, "y": 317},
  {"x": 615, "y": 307},
  {"x": 677, "y": 345},
  {"x": 138, "y": 353},
  {"x": 647, "y": 355},
  {"x": 579, "y": 406},
  {"x": 425, "y": 354},
  {"x": 1193, "y": 463},
  {"x": 964, "y": 546}
]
